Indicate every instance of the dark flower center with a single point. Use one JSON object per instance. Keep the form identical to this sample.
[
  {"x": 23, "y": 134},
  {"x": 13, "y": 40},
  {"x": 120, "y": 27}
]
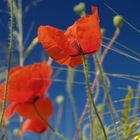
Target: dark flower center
[
  {"x": 77, "y": 46},
  {"x": 35, "y": 99}
]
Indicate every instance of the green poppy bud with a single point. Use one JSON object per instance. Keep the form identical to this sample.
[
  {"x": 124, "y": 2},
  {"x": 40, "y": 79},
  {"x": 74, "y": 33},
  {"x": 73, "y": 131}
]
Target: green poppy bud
[
  {"x": 118, "y": 21},
  {"x": 80, "y": 9},
  {"x": 7, "y": 123},
  {"x": 16, "y": 131},
  {"x": 60, "y": 100},
  {"x": 103, "y": 30},
  {"x": 100, "y": 107}
]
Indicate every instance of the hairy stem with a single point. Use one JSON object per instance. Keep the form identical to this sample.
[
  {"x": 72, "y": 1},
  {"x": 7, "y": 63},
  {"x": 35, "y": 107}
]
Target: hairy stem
[
  {"x": 58, "y": 121},
  {"x": 107, "y": 96},
  {"x": 46, "y": 122},
  {"x": 20, "y": 28},
  {"x": 116, "y": 34},
  {"x": 91, "y": 99},
  {"x": 9, "y": 60},
  {"x": 69, "y": 86}
]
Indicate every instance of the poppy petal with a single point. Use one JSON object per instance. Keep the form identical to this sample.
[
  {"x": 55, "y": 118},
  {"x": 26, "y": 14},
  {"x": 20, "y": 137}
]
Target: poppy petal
[
  {"x": 44, "y": 106},
  {"x": 36, "y": 126},
  {"x": 28, "y": 82},
  {"x": 9, "y": 112},
  {"x": 86, "y": 32},
  {"x": 73, "y": 61},
  {"x": 53, "y": 41}
]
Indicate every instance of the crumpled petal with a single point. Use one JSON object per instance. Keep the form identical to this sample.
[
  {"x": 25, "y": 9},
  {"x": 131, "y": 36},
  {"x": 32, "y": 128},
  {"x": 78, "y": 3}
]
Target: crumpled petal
[
  {"x": 9, "y": 112},
  {"x": 83, "y": 37},
  {"x": 54, "y": 42},
  {"x": 36, "y": 126},
  {"x": 43, "y": 105},
  {"x": 27, "y": 82},
  {"x": 86, "y": 32}
]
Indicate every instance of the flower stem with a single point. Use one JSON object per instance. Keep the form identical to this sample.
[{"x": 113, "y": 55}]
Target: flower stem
[
  {"x": 116, "y": 34},
  {"x": 70, "y": 79},
  {"x": 20, "y": 28},
  {"x": 30, "y": 48},
  {"x": 107, "y": 96},
  {"x": 9, "y": 59},
  {"x": 46, "y": 122},
  {"x": 58, "y": 121},
  {"x": 91, "y": 96}
]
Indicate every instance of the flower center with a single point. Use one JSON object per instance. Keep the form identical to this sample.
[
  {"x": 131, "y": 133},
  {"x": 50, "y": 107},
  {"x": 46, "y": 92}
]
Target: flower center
[{"x": 35, "y": 99}]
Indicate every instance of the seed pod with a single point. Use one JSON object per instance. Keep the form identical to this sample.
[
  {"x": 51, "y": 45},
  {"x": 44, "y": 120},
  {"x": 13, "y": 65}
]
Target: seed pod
[{"x": 118, "y": 21}]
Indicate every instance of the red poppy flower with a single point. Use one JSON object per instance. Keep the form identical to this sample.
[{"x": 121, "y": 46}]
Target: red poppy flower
[
  {"x": 28, "y": 82},
  {"x": 66, "y": 48},
  {"x": 36, "y": 126},
  {"x": 43, "y": 105}
]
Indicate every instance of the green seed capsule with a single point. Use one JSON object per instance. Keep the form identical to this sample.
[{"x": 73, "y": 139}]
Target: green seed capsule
[
  {"x": 79, "y": 8},
  {"x": 118, "y": 21},
  {"x": 60, "y": 100},
  {"x": 103, "y": 30}
]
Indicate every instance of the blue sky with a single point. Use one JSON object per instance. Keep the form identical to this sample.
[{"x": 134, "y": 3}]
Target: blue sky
[{"x": 60, "y": 14}]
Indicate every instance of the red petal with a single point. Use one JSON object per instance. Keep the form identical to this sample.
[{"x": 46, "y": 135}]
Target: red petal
[
  {"x": 55, "y": 43},
  {"x": 36, "y": 126},
  {"x": 28, "y": 82},
  {"x": 86, "y": 32},
  {"x": 95, "y": 12},
  {"x": 9, "y": 112},
  {"x": 73, "y": 61},
  {"x": 44, "y": 106}
]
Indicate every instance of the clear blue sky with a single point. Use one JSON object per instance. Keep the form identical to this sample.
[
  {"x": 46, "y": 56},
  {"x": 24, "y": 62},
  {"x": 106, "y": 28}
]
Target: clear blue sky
[{"x": 59, "y": 13}]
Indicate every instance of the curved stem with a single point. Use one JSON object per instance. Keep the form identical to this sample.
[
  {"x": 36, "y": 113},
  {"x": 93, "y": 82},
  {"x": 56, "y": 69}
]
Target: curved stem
[
  {"x": 116, "y": 34},
  {"x": 9, "y": 59},
  {"x": 46, "y": 122},
  {"x": 69, "y": 86},
  {"x": 20, "y": 28},
  {"x": 107, "y": 96},
  {"x": 30, "y": 48},
  {"x": 91, "y": 99},
  {"x": 58, "y": 121}
]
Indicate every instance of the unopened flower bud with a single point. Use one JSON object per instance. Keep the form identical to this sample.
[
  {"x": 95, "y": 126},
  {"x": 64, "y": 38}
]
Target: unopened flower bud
[
  {"x": 7, "y": 123},
  {"x": 103, "y": 30},
  {"x": 80, "y": 8},
  {"x": 16, "y": 131},
  {"x": 100, "y": 107},
  {"x": 60, "y": 100},
  {"x": 118, "y": 21}
]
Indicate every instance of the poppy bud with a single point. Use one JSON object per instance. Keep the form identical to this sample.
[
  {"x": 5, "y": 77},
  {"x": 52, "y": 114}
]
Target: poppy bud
[
  {"x": 80, "y": 9},
  {"x": 7, "y": 123},
  {"x": 103, "y": 30},
  {"x": 60, "y": 100},
  {"x": 100, "y": 107},
  {"x": 118, "y": 21},
  {"x": 16, "y": 131}
]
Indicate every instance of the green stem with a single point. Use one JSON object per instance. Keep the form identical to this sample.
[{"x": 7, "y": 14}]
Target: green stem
[
  {"x": 92, "y": 124},
  {"x": 46, "y": 122},
  {"x": 58, "y": 121},
  {"x": 107, "y": 95},
  {"x": 31, "y": 46},
  {"x": 91, "y": 96},
  {"x": 70, "y": 79},
  {"x": 20, "y": 28},
  {"x": 9, "y": 59}
]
